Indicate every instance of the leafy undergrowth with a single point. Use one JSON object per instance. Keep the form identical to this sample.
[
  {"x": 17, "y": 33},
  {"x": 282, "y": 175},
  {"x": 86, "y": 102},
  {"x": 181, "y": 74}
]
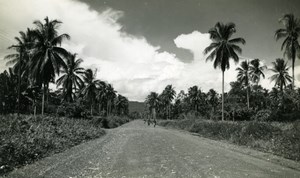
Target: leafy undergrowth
[
  {"x": 111, "y": 122},
  {"x": 281, "y": 139},
  {"x": 25, "y": 139}
]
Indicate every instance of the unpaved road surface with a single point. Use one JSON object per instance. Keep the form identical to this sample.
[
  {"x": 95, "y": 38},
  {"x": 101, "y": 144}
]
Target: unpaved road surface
[{"x": 138, "y": 150}]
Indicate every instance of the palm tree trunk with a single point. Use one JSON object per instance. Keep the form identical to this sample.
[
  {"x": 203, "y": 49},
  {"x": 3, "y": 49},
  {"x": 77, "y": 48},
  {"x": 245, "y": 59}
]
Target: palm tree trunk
[
  {"x": 43, "y": 98},
  {"x": 107, "y": 108},
  {"x": 110, "y": 109},
  {"x": 99, "y": 108},
  {"x": 169, "y": 111},
  {"x": 293, "y": 68},
  {"x": 92, "y": 107},
  {"x": 222, "y": 95},
  {"x": 34, "y": 107},
  {"x": 153, "y": 114},
  {"x": 19, "y": 83},
  {"x": 47, "y": 95},
  {"x": 248, "y": 104}
]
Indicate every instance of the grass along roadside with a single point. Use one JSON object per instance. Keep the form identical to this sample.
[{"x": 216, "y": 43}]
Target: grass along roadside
[
  {"x": 276, "y": 138},
  {"x": 25, "y": 139}
]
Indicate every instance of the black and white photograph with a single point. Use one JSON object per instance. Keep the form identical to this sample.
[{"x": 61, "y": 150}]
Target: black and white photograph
[{"x": 149, "y": 88}]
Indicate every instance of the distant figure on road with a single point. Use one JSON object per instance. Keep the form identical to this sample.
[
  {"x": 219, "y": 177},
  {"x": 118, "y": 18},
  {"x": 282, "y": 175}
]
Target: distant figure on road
[{"x": 148, "y": 119}]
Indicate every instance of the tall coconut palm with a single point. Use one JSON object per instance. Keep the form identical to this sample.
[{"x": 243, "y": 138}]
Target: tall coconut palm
[
  {"x": 21, "y": 58},
  {"x": 290, "y": 33},
  {"x": 101, "y": 96},
  {"x": 168, "y": 95},
  {"x": 281, "y": 76},
  {"x": 256, "y": 71},
  {"x": 110, "y": 95},
  {"x": 243, "y": 77},
  {"x": 71, "y": 80},
  {"x": 152, "y": 101},
  {"x": 223, "y": 48},
  {"x": 47, "y": 56},
  {"x": 89, "y": 90}
]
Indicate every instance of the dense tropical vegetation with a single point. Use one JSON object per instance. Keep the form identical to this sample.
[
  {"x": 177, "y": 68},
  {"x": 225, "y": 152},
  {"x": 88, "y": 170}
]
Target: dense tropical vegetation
[
  {"x": 38, "y": 60},
  {"x": 51, "y": 120},
  {"x": 222, "y": 49},
  {"x": 247, "y": 99}
]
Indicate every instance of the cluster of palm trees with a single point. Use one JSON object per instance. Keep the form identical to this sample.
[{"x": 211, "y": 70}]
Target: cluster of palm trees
[
  {"x": 161, "y": 103},
  {"x": 224, "y": 48},
  {"x": 39, "y": 59},
  {"x": 250, "y": 72},
  {"x": 166, "y": 105}
]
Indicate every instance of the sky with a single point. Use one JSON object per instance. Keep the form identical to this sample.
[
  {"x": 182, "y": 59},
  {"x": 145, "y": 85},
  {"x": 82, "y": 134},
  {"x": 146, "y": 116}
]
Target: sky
[{"x": 143, "y": 45}]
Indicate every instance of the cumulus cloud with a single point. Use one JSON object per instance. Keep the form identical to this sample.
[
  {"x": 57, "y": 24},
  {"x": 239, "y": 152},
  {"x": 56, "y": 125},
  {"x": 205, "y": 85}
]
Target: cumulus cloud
[
  {"x": 130, "y": 63},
  {"x": 203, "y": 74},
  {"x": 200, "y": 71}
]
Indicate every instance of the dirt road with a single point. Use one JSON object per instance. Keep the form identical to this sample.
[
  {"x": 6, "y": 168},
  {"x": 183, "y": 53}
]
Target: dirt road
[{"x": 137, "y": 150}]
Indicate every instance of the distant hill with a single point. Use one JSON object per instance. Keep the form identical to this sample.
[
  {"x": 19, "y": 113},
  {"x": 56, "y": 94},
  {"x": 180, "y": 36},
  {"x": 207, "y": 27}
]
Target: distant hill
[{"x": 136, "y": 106}]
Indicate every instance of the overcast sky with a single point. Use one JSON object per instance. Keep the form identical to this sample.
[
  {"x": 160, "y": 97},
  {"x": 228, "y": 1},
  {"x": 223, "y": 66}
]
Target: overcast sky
[{"x": 143, "y": 45}]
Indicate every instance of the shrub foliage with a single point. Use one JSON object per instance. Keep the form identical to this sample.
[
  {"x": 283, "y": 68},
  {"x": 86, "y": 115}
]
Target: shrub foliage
[{"x": 280, "y": 139}]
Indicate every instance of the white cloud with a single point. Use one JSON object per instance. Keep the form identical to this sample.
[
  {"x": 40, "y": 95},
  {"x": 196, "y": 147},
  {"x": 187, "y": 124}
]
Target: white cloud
[
  {"x": 130, "y": 63},
  {"x": 195, "y": 42},
  {"x": 200, "y": 71},
  {"x": 207, "y": 76}
]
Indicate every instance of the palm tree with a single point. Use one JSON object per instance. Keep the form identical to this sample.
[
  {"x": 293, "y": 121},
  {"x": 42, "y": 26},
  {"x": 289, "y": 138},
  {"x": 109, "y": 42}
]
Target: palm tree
[
  {"x": 256, "y": 70},
  {"x": 168, "y": 95},
  {"x": 194, "y": 95},
  {"x": 223, "y": 48},
  {"x": 21, "y": 58},
  {"x": 276, "y": 97},
  {"x": 101, "y": 96},
  {"x": 121, "y": 104},
  {"x": 47, "y": 55},
  {"x": 291, "y": 33},
  {"x": 8, "y": 92},
  {"x": 89, "y": 90},
  {"x": 71, "y": 80},
  {"x": 152, "y": 101},
  {"x": 281, "y": 76},
  {"x": 243, "y": 77},
  {"x": 111, "y": 95},
  {"x": 213, "y": 100}
]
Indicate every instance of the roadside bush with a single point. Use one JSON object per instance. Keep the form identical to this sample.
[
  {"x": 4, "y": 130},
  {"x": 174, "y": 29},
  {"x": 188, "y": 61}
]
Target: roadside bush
[
  {"x": 288, "y": 143},
  {"x": 256, "y": 131},
  {"x": 243, "y": 114},
  {"x": 282, "y": 139},
  {"x": 72, "y": 110},
  {"x": 25, "y": 139},
  {"x": 216, "y": 130},
  {"x": 110, "y": 122},
  {"x": 262, "y": 115},
  {"x": 217, "y": 115},
  {"x": 135, "y": 115}
]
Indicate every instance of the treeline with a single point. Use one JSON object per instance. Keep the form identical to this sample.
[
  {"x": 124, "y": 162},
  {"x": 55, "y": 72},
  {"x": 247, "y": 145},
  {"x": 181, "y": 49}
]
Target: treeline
[
  {"x": 39, "y": 60},
  {"x": 246, "y": 100},
  {"x": 264, "y": 105}
]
